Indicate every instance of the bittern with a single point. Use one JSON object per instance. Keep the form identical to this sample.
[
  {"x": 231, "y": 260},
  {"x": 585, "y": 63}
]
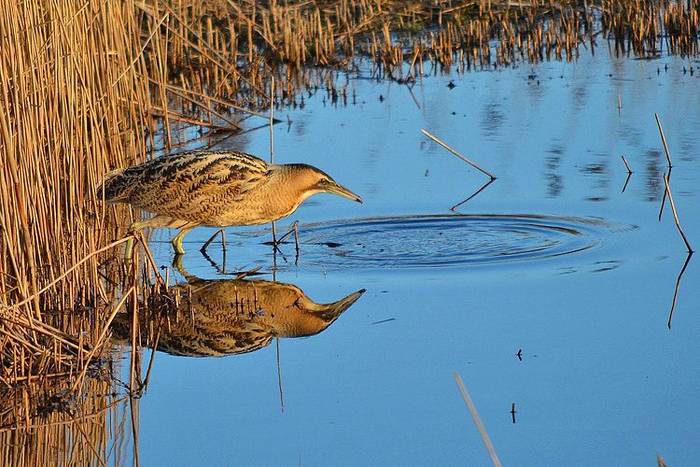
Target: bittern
[
  {"x": 215, "y": 189},
  {"x": 224, "y": 317}
]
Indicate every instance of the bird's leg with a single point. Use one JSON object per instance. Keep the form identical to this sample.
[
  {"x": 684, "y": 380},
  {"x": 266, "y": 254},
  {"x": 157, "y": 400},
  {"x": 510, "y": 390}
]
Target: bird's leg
[
  {"x": 177, "y": 264},
  {"x": 177, "y": 240}
]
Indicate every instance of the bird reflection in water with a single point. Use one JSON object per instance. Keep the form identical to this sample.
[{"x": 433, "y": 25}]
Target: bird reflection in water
[{"x": 214, "y": 318}]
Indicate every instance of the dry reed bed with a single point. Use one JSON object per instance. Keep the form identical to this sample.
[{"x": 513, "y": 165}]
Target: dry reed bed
[
  {"x": 64, "y": 70},
  {"x": 64, "y": 430},
  {"x": 92, "y": 85},
  {"x": 73, "y": 105},
  {"x": 218, "y": 53}
]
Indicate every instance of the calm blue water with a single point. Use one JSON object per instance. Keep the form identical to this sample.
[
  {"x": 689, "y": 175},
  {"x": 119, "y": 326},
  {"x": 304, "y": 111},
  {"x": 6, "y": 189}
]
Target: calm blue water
[{"x": 602, "y": 381}]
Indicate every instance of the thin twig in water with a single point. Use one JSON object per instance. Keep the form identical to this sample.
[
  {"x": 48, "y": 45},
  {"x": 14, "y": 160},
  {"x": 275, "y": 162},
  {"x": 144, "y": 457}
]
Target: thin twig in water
[
  {"x": 211, "y": 261},
  {"x": 151, "y": 359},
  {"x": 243, "y": 274},
  {"x": 477, "y": 421},
  {"x": 629, "y": 173},
  {"x": 279, "y": 373},
  {"x": 272, "y": 161},
  {"x": 663, "y": 140},
  {"x": 295, "y": 226},
  {"x": 473, "y": 195},
  {"x": 627, "y": 180},
  {"x": 675, "y": 215},
  {"x": 382, "y": 321},
  {"x": 289, "y": 232},
  {"x": 627, "y": 166},
  {"x": 663, "y": 198},
  {"x": 223, "y": 248},
  {"x": 272, "y": 120},
  {"x": 211, "y": 239},
  {"x": 413, "y": 96},
  {"x": 677, "y": 288},
  {"x": 133, "y": 405},
  {"x": 294, "y": 229},
  {"x": 453, "y": 151}
]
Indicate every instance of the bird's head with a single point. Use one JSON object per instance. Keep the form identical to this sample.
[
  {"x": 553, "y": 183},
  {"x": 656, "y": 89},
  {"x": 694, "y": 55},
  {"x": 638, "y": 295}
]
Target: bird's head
[{"x": 313, "y": 180}]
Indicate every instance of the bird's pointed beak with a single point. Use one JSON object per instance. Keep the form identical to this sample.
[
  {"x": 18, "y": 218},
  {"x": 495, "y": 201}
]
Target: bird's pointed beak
[{"x": 338, "y": 189}]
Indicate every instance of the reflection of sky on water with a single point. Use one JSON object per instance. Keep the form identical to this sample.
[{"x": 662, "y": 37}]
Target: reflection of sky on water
[{"x": 602, "y": 377}]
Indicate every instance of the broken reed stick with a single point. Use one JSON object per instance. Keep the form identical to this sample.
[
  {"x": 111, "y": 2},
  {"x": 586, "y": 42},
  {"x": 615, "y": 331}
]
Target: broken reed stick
[
  {"x": 477, "y": 421},
  {"x": 668, "y": 160},
  {"x": 663, "y": 200},
  {"x": 291, "y": 230},
  {"x": 211, "y": 239},
  {"x": 663, "y": 140},
  {"x": 296, "y": 241},
  {"x": 675, "y": 215},
  {"x": 473, "y": 195},
  {"x": 243, "y": 274},
  {"x": 272, "y": 156},
  {"x": 627, "y": 166},
  {"x": 453, "y": 151},
  {"x": 272, "y": 120},
  {"x": 279, "y": 373},
  {"x": 627, "y": 181},
  {"x": 676, "y": 289}
]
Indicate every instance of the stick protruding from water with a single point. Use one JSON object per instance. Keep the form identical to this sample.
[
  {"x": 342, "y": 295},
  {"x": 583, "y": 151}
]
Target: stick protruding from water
[
  {"x": 477, "y": 421},
  {"x": 627, "y": 166},
  {"x": 619, "y": 104},
  {"x": 456, "y": 153},
  {"x": 675, "y": 215},
  {"x": 663, "y": 140}
]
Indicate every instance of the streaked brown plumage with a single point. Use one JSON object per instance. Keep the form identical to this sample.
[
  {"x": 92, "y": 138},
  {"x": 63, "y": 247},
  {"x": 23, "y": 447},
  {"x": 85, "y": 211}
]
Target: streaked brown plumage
[
  {"x": 215, "y": 189},
  {"x": 224, "y": 317}
]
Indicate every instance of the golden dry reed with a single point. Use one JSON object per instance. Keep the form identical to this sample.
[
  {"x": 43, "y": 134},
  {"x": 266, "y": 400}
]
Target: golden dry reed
[
  {"x": 72, "y": 105},
  {"x": 87, "y": 86}
]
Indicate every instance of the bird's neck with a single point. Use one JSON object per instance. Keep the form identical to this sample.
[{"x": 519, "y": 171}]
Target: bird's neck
[{"x": 287, "y": 188}]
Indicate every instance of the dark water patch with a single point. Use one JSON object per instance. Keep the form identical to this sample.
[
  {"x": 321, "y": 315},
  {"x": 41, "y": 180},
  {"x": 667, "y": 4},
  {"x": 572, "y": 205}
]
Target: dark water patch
[{"x": 448, "y": 241}]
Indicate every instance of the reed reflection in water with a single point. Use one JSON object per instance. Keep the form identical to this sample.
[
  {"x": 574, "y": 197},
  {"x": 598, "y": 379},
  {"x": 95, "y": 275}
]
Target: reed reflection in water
[{"x": 213, "y": 318}]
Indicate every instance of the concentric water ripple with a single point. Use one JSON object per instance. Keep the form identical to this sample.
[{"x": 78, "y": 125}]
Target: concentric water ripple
[{"x": 447, "y": 240}]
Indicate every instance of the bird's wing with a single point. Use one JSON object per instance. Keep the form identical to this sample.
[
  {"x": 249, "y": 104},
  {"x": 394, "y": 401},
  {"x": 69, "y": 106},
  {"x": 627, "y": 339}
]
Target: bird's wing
[{"x": 182, "y": 185}]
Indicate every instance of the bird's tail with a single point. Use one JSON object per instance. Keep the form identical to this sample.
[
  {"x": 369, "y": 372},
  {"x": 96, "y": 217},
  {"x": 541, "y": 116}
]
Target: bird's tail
[{"x": 110, "y": 185}]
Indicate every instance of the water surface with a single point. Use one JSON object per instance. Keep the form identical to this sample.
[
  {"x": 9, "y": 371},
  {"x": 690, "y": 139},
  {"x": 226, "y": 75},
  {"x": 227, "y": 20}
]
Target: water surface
[{"x": 561, "y": 257}]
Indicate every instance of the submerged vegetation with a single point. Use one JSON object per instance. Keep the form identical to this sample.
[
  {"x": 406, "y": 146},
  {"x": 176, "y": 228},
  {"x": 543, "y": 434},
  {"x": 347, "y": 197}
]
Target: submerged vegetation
[{"x": 86, "y": 87}]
